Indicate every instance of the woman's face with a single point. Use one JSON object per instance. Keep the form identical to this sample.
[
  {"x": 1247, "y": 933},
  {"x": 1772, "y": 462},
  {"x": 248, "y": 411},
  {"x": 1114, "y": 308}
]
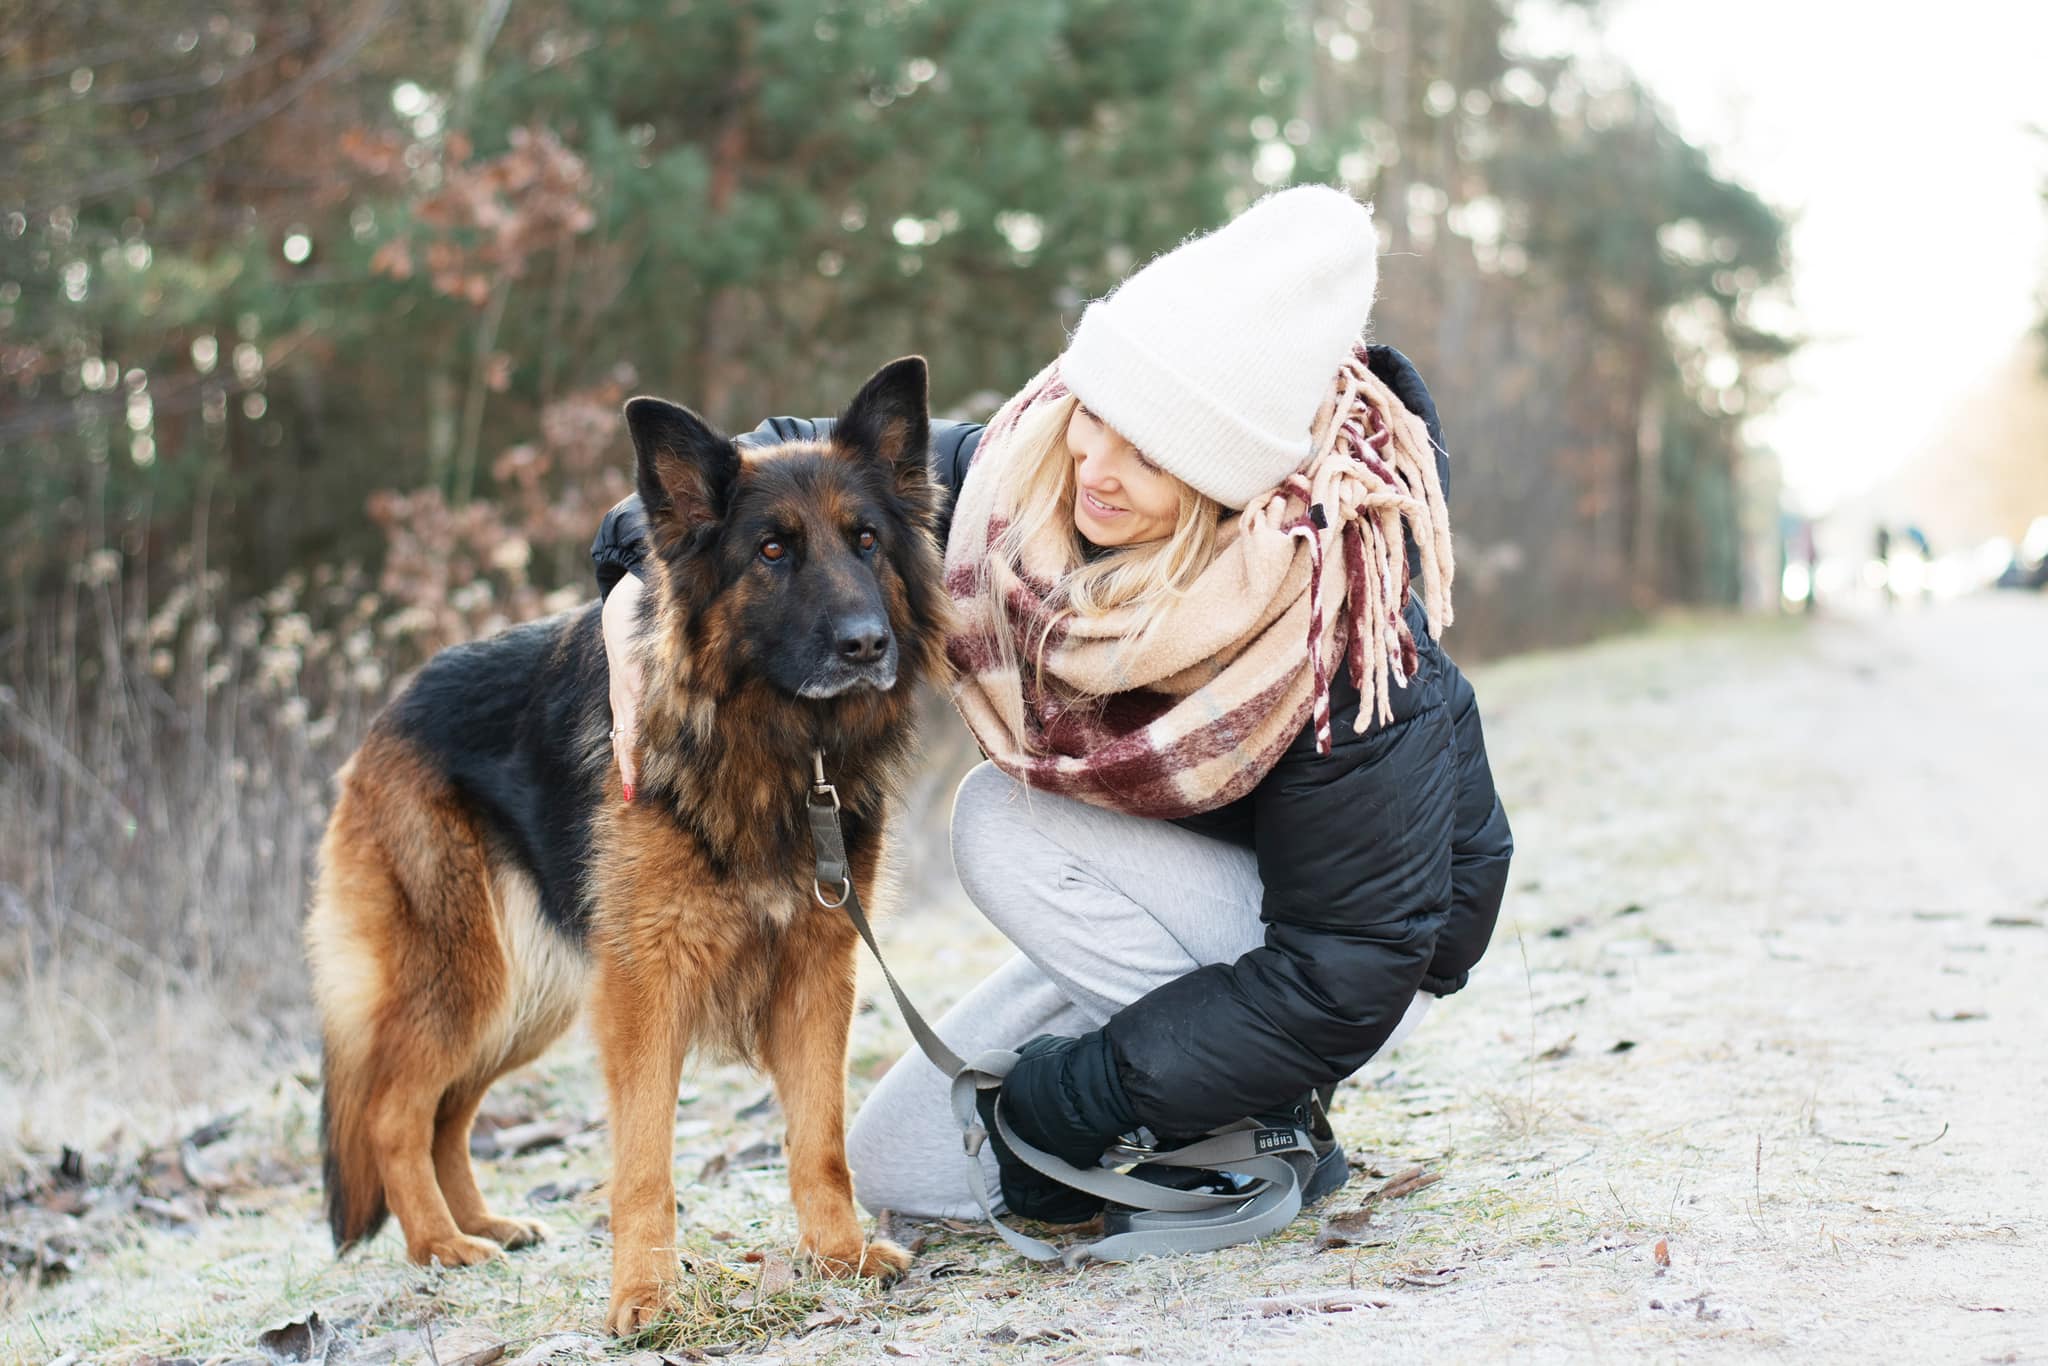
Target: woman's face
[{"x": 1120, "y": 497}]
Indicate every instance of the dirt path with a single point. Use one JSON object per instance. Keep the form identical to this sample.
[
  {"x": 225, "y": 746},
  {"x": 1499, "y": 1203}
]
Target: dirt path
[{"x": 1767, "y": 996}]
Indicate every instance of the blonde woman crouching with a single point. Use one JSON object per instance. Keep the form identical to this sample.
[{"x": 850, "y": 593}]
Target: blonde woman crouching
[{"x": 1237, "y": 816}]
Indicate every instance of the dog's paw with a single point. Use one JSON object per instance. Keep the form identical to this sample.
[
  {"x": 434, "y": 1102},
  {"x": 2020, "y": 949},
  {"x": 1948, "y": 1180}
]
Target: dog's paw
[
  {"x": 884, "y": 1259},
  {"x": 876, "y": 1257},
  {"x": 634, "y": 1307},
  {"x": 512, "y": 1234},
  {"x": 456, "y": 1250}
]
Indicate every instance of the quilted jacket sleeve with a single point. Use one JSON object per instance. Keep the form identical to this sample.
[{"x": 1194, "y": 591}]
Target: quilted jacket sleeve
[{"x": 1383, "y": 863}]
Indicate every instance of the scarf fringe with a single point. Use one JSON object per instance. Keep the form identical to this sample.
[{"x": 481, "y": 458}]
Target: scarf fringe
[{"x": 1371, "y": 472}]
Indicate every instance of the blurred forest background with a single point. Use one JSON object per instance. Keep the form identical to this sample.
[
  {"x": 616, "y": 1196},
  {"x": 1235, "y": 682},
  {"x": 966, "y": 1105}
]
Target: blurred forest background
[{"x": 316, "y": 316}]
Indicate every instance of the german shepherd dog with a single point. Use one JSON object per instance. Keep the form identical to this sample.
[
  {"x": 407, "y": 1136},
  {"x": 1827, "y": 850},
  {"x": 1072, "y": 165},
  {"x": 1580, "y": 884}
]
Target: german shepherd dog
[{"x": 480, "y": 871}]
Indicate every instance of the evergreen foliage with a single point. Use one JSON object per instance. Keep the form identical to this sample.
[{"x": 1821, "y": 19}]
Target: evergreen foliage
[{"x": 260, "y": 259}]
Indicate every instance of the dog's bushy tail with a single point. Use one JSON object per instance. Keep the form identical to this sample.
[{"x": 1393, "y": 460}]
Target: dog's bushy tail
[{"x": 355, "y": 1190}]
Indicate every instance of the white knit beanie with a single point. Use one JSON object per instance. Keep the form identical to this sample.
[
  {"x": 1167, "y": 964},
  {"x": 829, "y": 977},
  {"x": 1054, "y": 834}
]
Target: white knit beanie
[{"x": 1213, "y": 358}]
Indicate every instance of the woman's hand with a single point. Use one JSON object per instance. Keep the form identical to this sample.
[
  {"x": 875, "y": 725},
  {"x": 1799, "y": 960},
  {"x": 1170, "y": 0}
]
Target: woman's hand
[{"x": 620, "y": 616}]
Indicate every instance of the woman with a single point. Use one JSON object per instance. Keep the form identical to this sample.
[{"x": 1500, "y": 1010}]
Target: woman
[{"x": 1237, "y": 816}]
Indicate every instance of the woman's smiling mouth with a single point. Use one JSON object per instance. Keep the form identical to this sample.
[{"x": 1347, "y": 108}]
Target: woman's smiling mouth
[{"x": 1100, "y": 508}]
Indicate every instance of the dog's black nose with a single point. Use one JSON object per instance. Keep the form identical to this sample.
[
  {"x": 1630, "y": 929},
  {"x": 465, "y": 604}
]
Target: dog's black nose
[{"x": 863, "y": 640}]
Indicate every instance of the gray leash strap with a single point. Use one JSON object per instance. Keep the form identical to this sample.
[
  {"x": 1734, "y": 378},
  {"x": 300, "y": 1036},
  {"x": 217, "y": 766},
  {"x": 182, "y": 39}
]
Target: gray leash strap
[{"x": 1267, "y": 1206}]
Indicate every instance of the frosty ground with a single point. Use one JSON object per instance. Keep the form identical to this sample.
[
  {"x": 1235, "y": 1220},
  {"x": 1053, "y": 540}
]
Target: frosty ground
[{"x": 1753, "y": 1068}]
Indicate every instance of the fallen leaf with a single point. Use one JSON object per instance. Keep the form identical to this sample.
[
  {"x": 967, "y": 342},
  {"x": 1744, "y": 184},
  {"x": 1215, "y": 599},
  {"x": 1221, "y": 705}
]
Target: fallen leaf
[
  {"x": 1343, "y": 1229},
  {"x": 306, "y": 1339},
  {"x": 830, "y": 1318},
  {"x": 1429, "y": 1278},
  {"x": 714, "y": 1170},
  {"x": 560, "y": 1345},
  {"x": 2017, "y": 922},
  {"x": 180, "y": 1212},
  {"x": 764, "y": 1106},
  {"x": 526, "y": 1138},
  {"x": 766, "y": 1153},
  {"x": 465, "y": 1346},
  {"x": 1958, "y": 1016},
  {"x": 1404, "y": 1183},
  {"x": 1557, "y": 1050},
  {"x": 903, "y": 1232},
  {"x": 552, "y": 1192},
  {"x": 1662, "y": 1252},
  {"x": 1313, "y": 1302},
  {"x": 1633, "y": 908},
  {"x": 74, "y": 1200},
  {"x": 902, "y": 1349},
  {"x": 407, "y": 1344},
  {"x": 218, "y": 1128},
  {"x": 199, "y": 1172},
  {"x": 777, "y": 1275},
  {"x": 482, "y": 1356}
]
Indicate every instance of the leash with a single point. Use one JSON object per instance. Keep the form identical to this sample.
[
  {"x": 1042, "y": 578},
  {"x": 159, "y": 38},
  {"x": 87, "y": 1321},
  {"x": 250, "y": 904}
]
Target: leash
[{"x": 1162, "y": 1219}]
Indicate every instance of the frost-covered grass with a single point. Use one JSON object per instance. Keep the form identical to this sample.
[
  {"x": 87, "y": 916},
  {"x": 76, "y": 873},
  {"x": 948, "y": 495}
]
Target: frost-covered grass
[{"x": 1760, "y": 996}]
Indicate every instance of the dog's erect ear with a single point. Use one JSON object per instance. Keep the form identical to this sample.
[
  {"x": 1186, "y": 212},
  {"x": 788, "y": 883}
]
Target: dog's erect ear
[
  {"x": 890, "y": 420},
  {"x": 686, "y": 468}
]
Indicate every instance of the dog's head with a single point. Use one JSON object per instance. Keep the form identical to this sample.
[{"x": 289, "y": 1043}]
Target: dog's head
[{"x": 810, "y": 566}]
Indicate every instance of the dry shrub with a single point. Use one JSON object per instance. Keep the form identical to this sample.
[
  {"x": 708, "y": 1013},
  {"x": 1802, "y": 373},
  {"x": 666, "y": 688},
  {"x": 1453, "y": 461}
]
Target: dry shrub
[{"x": 165, "y": 770}]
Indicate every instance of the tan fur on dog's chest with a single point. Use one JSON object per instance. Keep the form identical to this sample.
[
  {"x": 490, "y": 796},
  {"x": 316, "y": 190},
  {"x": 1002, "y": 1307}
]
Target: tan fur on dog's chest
[{"x": 721, "y": 940}]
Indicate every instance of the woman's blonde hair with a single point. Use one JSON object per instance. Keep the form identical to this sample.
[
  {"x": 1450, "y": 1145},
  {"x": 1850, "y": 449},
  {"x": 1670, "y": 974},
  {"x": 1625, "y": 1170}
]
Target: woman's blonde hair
[{"x": 1146, "y": 576}]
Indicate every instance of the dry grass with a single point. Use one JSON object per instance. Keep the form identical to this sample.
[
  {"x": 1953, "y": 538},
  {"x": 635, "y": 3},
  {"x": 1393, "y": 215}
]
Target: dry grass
[
  {"x": 164, "y": 778},
  {"x": 163, "y": 784}
]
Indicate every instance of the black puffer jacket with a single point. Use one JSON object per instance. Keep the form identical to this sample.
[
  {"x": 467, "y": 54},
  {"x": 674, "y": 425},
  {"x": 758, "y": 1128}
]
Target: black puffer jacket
[{"x": 1384, "y": 864}]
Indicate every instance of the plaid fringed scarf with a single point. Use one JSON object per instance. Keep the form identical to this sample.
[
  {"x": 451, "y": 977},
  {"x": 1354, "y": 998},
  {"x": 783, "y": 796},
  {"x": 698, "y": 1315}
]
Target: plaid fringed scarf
[{"x": 1196, "y": 713}]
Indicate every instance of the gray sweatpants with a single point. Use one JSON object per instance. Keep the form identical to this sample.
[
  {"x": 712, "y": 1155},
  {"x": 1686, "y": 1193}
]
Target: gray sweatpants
[{"x": 1102, "y": 907}]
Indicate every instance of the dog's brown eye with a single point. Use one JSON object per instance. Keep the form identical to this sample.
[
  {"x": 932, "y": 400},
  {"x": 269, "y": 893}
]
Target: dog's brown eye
[
  {"x": 772, "y": 551},
  {"x": 866, "y": 538}
]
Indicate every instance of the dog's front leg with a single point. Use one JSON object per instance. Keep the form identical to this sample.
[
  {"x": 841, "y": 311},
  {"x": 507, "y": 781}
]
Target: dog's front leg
[
  {"x": 640, "y": 1035},
  {"x": 805, "y": 1047}
]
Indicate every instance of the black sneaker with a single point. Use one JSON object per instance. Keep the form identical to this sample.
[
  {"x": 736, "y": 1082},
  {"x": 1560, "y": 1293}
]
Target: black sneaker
[
  {"x": 1331, "y": 1171},
  {"x": 1330, "y": 1168}
]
